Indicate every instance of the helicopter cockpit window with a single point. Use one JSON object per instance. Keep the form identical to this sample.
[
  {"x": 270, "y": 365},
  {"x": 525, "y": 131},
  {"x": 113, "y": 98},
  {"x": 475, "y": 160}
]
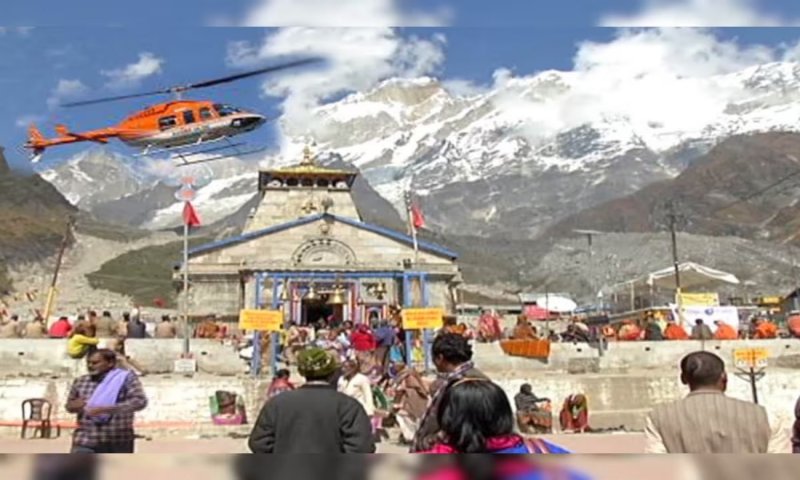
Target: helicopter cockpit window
[
  {"x": 165, "y": 123},
  {"x": 205, "y": 114},
  {"x": 225, "y": 110}
]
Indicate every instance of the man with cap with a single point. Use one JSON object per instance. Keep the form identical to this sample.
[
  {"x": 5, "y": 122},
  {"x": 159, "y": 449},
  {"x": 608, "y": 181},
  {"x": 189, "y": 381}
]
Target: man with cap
[{"x": 314, "y": 418}]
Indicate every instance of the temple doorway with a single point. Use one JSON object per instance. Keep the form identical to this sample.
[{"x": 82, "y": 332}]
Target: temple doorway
[{"x": 316, "y": 310}]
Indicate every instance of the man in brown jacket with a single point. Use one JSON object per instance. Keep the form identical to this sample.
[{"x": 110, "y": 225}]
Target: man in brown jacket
[
  {"x": 452, "y": 357},
  {"x": 708, "y": 421}
]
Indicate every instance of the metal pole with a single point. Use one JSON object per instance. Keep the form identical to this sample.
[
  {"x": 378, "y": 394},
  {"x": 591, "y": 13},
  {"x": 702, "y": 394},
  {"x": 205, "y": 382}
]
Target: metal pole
[
  {"x": 185, "y": 288},
  {"x": 52, "y": 292},
  {"x": 676, "y": 264},
  {"x": 752, "y": 376},
  {"x": 255, "y": 360}
]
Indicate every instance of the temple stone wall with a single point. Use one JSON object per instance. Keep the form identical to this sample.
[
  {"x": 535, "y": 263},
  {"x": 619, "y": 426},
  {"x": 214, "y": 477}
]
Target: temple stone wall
[{"x": 281, "y": 206}]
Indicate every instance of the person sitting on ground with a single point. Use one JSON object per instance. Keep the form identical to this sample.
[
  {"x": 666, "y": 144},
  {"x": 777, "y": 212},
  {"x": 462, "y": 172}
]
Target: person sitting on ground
[
  {"x": 280, "y": 384},
  {"x": 701, "y": 331},
  {"x": 708, "y": 421},
  {"x": 136, "y": 328},
  {"x": 104, "y": 326},
  {"x": 315, "y": 418},
  {"x": 765, "y": 329},
  {"x": 36, "y": 328},
  {"x": 533, "y": 412},
  {"x": 574, "y": 416},
  {"x": 675, "y": 331},
  {"x": 523, "y": 330},
  {"x": 652, "y": 331},
  {"x": 61, "y": 328},
  {"x": 10, "y": 328},
  {"x": 475, "y": 416},
  {"x": 82, "y": 341},
  {"x": 166, "y": 329},
  {"x": 725, "y": 331},
  {"x": 793, "y": 324},
  {"x": 629, "y": 331}
]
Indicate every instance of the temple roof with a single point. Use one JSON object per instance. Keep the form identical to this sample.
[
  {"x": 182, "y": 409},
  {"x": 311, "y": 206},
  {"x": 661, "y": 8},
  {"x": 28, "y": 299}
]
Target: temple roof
[
  {"x": 308, "y": 167},
  {"x": 400, "y": 237}
]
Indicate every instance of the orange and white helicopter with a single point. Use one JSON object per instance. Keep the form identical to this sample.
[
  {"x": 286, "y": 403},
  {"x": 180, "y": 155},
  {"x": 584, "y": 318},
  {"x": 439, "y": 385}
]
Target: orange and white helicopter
[{"x": 181, "y": 127}]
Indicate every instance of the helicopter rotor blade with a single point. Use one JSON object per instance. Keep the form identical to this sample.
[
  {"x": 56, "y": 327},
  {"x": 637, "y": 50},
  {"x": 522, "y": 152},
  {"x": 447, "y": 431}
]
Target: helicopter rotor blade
[
  {"x": 114, "y": 99},
  {"x": 192, "y": 86},
  {"x": 261, "y": 71}
]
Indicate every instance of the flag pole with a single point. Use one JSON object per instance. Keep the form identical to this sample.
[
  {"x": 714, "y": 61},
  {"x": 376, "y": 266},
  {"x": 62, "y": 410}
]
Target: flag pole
[
  {"x": 413, "y": 227},
  {"x": 185, "y": 306}
]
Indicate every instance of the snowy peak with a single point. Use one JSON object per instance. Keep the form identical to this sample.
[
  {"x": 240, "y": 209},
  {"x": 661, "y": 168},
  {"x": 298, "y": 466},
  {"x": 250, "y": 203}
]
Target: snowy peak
[{"x": 95, "y": 176}]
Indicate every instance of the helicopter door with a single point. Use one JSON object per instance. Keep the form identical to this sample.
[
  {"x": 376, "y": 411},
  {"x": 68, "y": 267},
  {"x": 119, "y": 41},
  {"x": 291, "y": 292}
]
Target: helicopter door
[{"x": 188, "y": 117}]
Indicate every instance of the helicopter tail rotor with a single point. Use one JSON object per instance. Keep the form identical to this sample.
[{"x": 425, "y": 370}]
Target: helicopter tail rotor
[{"x": 35, "y": 145}]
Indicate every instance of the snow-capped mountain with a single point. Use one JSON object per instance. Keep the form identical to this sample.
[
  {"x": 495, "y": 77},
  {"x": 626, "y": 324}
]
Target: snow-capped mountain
[
  {"x": 512, "y": 159},
  {"x": 94, "y": 177}
]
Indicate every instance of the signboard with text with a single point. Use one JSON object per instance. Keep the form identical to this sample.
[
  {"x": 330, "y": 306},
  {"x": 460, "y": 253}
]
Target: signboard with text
[
  {"x": 750, "y": 357},
  {"x": 423, "y": 318},
  {"x": 261, "y": 320},
  {"x": 699, "y": 299}
]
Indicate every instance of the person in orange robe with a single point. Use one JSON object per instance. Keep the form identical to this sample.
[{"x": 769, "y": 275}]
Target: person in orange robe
[
  {"x": 766, "y": 329},
  {"x": 675, "y": 332},
  {"x": 725, "y": 331},
  {"x": 794, "y": 324}
]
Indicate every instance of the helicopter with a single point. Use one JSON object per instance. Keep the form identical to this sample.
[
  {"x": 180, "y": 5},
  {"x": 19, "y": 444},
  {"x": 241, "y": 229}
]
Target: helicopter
[{"x": 181, "y": 127}]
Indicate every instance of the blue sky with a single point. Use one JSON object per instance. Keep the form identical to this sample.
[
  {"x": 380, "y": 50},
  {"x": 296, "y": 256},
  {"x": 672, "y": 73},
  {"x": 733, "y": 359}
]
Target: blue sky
[
  {"x": 32, "y": 64},
  {"x": 480, "y": 13},
  {"x": 525, "y": 36}
]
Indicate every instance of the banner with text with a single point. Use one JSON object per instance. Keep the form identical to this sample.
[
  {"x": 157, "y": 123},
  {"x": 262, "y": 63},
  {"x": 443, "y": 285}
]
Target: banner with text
[
  {"x": 422, "y": 318},
  {"x": 261, "y": 320},
  {"x": 699, "y": 299},
  {"x": 709, "y": 315}
]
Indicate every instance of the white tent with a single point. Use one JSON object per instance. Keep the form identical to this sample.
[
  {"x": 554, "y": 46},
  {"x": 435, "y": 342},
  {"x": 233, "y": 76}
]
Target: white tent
[{"x": 693, "y": 276}]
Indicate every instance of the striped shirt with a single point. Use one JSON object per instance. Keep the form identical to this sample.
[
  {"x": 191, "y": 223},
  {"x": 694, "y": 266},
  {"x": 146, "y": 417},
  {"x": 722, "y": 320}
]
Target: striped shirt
[{"x": 119, "y": 428}]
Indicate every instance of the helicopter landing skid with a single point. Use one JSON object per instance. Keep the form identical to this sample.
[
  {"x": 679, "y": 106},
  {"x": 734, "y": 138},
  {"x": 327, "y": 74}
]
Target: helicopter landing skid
[{"x": 186, "y": 158}]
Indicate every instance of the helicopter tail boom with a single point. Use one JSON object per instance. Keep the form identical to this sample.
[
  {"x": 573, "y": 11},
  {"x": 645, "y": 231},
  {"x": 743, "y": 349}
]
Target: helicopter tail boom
[{"x": 38, "y": 143}]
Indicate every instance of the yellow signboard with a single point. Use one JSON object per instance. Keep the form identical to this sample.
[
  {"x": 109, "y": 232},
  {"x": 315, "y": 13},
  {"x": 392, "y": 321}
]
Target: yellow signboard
[
  {"x": 261, "y": 320},
  {"x": 750, "y": 357},
  {"x": 422, "y": 318},
  {"x": 699, "y": 299}
]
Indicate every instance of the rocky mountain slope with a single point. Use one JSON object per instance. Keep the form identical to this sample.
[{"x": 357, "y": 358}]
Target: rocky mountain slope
[
  {"x": 747, "y": 186},
  {"x": 34, "y": 216}
]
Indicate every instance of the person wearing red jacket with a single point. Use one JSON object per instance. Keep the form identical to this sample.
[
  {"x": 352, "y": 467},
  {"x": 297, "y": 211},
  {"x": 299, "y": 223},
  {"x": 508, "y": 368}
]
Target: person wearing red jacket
[{"x": 364, "y": 344}]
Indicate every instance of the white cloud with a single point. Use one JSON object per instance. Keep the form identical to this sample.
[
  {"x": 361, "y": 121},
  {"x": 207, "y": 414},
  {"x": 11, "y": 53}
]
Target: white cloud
[
  {"x": 25, "y": 120},
  {"x": 341, "y": 13},
  {"x": 357, "y": 59},
  {"x": 65, "y": 89},
  {"x": 21, "y": 31},
  {"x": 697, "y": 13},
  {"x": 677, "y": 79},
  {"x": 131, "y": 75}
]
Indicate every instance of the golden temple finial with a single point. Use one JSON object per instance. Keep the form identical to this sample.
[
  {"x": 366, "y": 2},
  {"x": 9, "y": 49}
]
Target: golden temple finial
[{"x": 308, "y": 159}]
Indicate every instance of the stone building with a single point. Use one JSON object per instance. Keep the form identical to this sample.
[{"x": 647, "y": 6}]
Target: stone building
[{"x": 306, "y": 249}]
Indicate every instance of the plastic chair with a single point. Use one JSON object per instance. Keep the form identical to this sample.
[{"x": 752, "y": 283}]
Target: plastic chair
[{"x": 36, "y": 412}]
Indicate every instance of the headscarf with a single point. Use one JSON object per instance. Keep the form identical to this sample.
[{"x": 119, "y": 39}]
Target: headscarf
[{"x": 316, "y": 363}]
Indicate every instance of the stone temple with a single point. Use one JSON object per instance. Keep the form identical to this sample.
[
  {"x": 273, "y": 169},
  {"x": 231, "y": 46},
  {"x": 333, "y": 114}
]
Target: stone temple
[{"x": 306, "y": 250}]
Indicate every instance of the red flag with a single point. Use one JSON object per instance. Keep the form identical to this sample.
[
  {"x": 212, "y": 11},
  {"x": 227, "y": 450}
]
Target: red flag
[
  {"x": 417, "y": 219},
  {"x": 190, "y": 217}
]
